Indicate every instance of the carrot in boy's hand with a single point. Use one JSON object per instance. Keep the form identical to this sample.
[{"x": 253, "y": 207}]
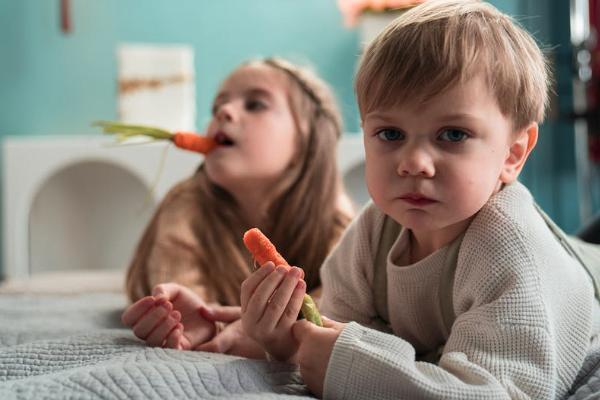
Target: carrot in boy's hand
[
  {"x": 184, "y": 140},
  {"x": 263, "y": 250}
]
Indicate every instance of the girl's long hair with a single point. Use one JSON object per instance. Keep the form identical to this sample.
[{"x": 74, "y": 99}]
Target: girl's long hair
[{"x": 304, "y": 221}]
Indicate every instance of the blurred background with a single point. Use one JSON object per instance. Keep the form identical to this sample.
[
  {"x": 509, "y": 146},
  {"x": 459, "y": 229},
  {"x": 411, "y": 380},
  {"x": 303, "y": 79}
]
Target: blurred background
[{"x": 60, "y": 69}]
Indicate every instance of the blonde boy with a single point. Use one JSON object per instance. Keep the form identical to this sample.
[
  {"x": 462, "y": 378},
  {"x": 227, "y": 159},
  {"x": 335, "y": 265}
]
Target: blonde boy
[{"x": 450, "y": 96}]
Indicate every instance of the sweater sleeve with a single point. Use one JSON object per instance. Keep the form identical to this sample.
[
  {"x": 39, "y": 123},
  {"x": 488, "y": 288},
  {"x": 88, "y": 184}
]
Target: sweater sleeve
[
  {"x": 522, "y": 328},
  {"x": 347, "y": 273}
]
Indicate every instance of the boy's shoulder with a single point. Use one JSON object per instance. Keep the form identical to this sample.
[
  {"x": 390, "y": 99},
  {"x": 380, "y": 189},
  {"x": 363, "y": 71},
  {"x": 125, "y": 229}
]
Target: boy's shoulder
[{"x": 507, "y": 212}]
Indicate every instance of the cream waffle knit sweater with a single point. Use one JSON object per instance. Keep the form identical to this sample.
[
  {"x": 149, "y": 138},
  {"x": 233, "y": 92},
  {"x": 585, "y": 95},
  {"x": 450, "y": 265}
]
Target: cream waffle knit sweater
[{"x": 526, "y": 313}]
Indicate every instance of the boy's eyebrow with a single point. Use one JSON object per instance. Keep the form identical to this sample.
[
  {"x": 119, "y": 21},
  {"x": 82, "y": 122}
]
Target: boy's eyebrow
[
  {"x": 458, "y": 116},
  {"x": 444, "y": 118}
]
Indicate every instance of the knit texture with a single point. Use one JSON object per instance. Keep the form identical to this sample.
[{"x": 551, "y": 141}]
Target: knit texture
[{"x": 524, "y": 307}]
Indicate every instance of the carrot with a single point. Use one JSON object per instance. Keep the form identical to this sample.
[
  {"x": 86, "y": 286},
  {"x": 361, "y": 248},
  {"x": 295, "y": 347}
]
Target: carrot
[
  {"x": 193, "y": 142},
  {"x": 184, "y": 140},
  {"x": 263, "y": 251}
]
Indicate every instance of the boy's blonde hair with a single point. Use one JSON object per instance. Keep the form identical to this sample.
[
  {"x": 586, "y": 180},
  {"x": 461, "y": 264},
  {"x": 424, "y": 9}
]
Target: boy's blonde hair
[{"x": 443, "y": 42}]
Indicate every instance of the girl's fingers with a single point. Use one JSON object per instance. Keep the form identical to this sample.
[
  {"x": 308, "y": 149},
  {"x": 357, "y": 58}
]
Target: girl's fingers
[
  {"x": 279, "y": 302},
  {"x": 252, "y": 282},
  {"x": 290, "y": 315},
  {"x": 162, "y": 330},
  {"x": 166, "y": 291},
  {"x": 174, "y": 339},
  {"x": 221, "y": 313},
  {"x": 150, "y": 320},
  {"x": 135, "y": 311},
  {"x": 219, "y": 344},
  {"x": 264, "y": 292}
]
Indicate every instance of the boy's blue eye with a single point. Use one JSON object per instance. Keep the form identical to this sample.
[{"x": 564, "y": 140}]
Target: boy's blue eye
[
  {"x": 390, "y": 134},
  {"x": 453, "y": 135}
]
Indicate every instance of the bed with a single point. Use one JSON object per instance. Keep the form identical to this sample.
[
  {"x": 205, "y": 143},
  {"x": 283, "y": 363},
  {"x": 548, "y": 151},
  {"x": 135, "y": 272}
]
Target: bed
[
  {"x": 61, "y": 337},
  {"x": 68, "y": 342}
]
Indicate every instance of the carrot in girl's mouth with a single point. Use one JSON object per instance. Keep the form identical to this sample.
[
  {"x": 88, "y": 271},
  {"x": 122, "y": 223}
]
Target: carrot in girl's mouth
[
  {"x": 194, "y": 142},
  {"x": 263, "y": 251},
  {"x": 184, "y": 140}
]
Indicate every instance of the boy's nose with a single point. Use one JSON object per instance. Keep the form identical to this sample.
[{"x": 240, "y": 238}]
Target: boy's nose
[{"x": 418, "y": 163}]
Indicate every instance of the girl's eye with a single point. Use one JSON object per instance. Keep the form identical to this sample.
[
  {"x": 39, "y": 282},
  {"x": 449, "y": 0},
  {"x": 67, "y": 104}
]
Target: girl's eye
[
  {"x": 255, "y": 105},
  {"x": 453, "y": 135},
  {"x": 390, "y": 134}
]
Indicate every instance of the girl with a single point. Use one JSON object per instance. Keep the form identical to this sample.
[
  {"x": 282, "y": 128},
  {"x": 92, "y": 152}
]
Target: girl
[{"x": 276, "y": 126}]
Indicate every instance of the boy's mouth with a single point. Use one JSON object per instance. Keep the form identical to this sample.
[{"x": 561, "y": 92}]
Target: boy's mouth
[
  {"x": 416, "y": 199},
  {"x": 223, "y": 139}
]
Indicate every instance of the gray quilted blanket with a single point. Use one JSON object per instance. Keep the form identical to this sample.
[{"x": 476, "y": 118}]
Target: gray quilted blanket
[
  {"x": 74, "y": 347},
  {"x": 57, "y": 347}
]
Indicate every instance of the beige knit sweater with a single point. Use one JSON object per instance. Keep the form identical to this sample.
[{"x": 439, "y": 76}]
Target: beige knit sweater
[{"x": 526, "y": 313}]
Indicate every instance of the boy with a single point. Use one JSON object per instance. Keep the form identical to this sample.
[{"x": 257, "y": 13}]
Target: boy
[{"x": 450, "y": 96}]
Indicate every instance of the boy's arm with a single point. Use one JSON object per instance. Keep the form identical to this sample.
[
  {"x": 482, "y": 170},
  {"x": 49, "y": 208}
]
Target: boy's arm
[
  {"x": 522, "y": 330},
  {"x": 347, "y": 274}
]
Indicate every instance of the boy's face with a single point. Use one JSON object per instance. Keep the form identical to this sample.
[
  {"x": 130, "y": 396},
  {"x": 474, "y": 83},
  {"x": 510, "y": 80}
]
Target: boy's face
[{"x": 431, "y": 166}]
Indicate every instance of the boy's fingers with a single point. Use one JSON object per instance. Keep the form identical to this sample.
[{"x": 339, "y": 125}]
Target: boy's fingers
[
  {"x": 302, "y": 328},
  {"x": 252, "y": 282},
  {"x": 329, "y": 323},
  {"x": 292, "y": 310},
  {"x": 135, "y": 311},
  {"x": 221, "y": 313},
  {"x": 280, "y": 301},
  {"x": 263, "y": 294}
]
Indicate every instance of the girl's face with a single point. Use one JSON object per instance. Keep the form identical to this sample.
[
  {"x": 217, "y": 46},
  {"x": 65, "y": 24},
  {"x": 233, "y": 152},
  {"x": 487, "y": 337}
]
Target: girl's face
[
  {"x": 433, "y": 166},
  {"x": 255, "y": 129}
]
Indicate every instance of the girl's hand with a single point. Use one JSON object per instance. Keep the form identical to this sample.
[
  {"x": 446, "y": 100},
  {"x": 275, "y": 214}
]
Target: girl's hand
[
  {"x": 233, "y": 340},
  {"x": 271, "y": 300},
  {"x": 171, "y": 317},
  {"x": 315, "y": 347}
]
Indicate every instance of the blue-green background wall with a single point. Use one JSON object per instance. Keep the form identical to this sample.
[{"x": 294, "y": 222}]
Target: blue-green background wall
[{"x": 51, "y": 83}]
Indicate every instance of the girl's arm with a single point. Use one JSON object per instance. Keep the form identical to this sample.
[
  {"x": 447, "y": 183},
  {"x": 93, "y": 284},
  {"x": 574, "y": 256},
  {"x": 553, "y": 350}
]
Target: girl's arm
[{"x": 168, "y": 247}]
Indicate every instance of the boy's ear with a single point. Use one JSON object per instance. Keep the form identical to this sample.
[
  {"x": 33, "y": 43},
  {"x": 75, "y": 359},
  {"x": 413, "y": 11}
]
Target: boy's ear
[{"x": 518, "y": 152}]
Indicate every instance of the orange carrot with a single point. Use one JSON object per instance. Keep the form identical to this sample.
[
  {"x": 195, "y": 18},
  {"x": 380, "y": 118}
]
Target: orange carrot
[
  {"x": 263, "y": 251},
  {"x": 184, "y": 140},
  {"x": 193, "y": 142}
]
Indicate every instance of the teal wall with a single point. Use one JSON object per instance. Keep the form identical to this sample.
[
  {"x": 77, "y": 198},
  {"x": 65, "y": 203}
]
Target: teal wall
[
  {"x": 56, "y": 83},
  {"x": 51, "y": 83}
]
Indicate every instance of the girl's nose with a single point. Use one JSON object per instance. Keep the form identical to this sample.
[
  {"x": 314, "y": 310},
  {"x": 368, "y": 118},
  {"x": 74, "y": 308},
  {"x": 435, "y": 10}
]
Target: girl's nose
[
  {"x": 226, "y": 112},
  {"x": 416, "y": 162}
]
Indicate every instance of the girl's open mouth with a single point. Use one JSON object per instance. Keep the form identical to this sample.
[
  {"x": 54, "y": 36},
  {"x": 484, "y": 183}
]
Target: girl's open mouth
[{"x": 223, "y": 140}]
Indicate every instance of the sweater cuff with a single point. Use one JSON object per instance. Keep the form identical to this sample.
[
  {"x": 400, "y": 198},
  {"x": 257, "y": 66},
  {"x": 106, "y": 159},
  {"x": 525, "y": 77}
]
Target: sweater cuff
[{"x": 354, "y": 349}]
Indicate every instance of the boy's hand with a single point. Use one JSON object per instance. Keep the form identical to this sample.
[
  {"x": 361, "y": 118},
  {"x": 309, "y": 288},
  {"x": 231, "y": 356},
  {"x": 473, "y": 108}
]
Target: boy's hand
[
  {"x": 271, "y": 300},
  {"x": 171, "y": 317},
  {"x": 315, "y": 347}
]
